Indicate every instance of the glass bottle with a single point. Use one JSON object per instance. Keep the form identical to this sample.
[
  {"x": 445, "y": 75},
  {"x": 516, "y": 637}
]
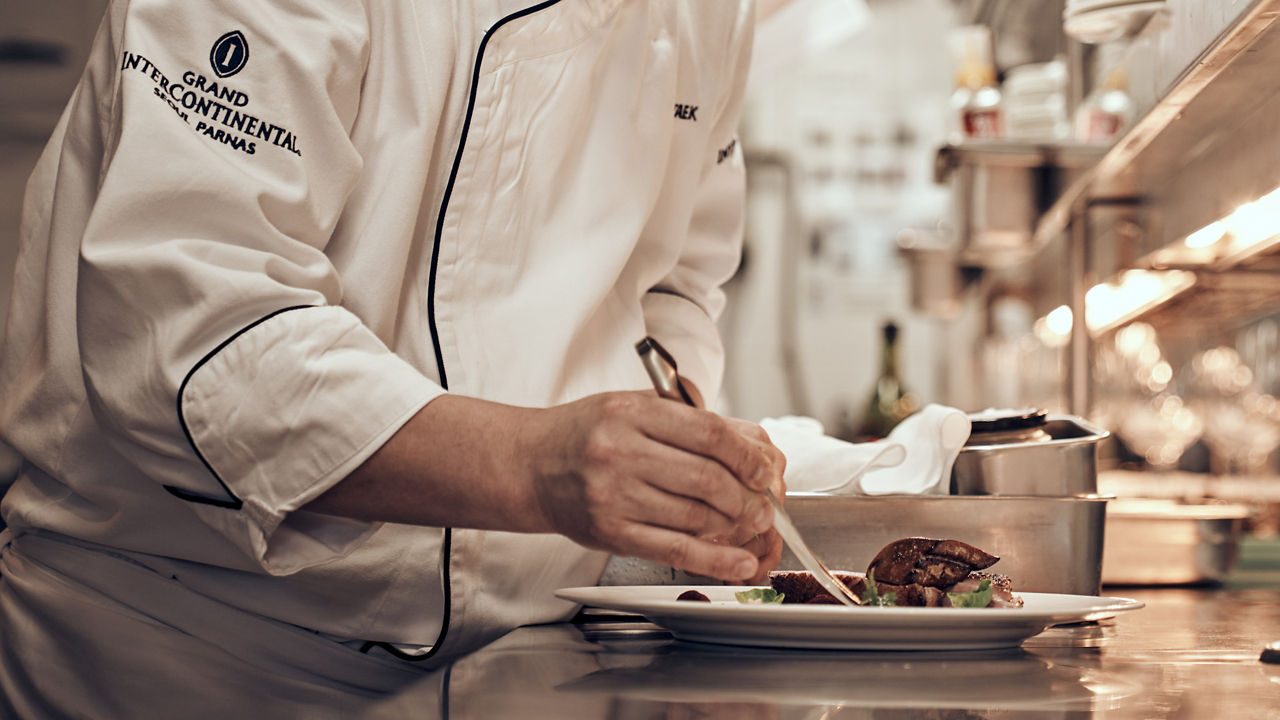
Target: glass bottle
[
  {"x": 1107, "y": 112},
  {"x": 890, "y": 402},
  {"x": 977, "y": 104}
]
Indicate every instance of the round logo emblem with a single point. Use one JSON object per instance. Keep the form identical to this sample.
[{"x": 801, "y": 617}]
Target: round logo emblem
[{"x": 229, "y": 54}]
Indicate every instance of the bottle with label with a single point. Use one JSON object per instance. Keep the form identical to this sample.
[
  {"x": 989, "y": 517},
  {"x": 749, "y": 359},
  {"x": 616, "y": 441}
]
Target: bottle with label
[
  {"x": 1106, "y": 112},
  {"x": 977, "y": 104},
  {"x": 890, "y": 402}
]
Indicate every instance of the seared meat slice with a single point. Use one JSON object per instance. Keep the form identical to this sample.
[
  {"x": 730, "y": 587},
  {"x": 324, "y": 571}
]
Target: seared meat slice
[
  {"x": 918, "y": 571},
  {"x": 802, "y": 587},
  {"x": 912, "y": 595},
  {"x": 1001, "y": 589},
  {"x": 795, "y": 587},
  {"x": 964, "y": 553},
  {"x": 928, "y": 562},
  {"x": 896, "y": 562}
]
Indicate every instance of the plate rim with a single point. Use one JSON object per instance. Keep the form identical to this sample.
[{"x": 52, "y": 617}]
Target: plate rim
[
  {"x": 1101, "y": 603},
  {"x": 721, "y": 616},
  {"x": 905, "y": 629}
]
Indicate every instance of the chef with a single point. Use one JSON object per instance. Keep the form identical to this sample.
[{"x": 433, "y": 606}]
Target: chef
[{"x": 321, "y": 354}]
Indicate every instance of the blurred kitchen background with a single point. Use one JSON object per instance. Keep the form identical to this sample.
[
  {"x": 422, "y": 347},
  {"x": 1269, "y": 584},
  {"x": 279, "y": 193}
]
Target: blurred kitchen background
[{"x": 1062, "y": 204}]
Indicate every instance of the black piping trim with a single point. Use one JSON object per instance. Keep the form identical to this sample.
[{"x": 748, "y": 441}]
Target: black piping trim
[
  {"x": 682, "y": 296},
  {"x": 234, "y": 503},
  {"x": 444, "y": 691},
  {"x": 431, "y": 309},
  {"x": 453, "y": 176},
  {"x": 444, "y": 627}
]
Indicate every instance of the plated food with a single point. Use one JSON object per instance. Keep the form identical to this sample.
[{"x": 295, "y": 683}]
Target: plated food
[
  {"x": 911, "y": 572},
  {"x": 725, "y": 620},
  {"x": 920, "y": 593}
]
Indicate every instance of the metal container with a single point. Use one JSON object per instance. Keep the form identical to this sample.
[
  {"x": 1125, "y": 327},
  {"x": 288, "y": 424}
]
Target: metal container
[
  {"x": 1001, "y": 188},
  {"x": 936, "y": 279},
  {"x": 1157, "y": 542},
  {"x": 1064, "y": 464},
  {"x": 1045, "y": 544}
]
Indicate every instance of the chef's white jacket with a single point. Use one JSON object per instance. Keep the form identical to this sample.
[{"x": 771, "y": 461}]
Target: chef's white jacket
[{"x": 265, "y": 234}]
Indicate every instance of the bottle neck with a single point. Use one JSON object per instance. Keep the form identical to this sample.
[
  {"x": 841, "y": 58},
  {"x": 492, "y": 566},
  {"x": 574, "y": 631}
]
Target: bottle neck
[{"x": 889, "y": 359}]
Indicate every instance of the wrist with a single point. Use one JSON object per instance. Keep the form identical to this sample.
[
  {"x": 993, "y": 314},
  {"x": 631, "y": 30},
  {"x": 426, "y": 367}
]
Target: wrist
[{"x": 530, "y": 465}]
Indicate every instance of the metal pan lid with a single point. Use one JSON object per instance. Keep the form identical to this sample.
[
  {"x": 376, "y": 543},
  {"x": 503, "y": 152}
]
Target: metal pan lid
[{"x": 993, "y": 420}]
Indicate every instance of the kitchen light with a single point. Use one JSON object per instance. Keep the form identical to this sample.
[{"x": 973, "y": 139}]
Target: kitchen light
[
  {"x": 1253, "y": 224},
  {"x": 1054, "y": 329},
  {"x": 1108, "y": 305},
  {"x": 1249, "y": 229},
  {"x": 1161, "y": 375},
  {"x": 1133, "y": 338},
  {"x": 1112, "y": 304},
  {"x": 1207, "y": 236},
  {"x": 1060, "y": 320},
  {"x": 1250, "y": 223}
]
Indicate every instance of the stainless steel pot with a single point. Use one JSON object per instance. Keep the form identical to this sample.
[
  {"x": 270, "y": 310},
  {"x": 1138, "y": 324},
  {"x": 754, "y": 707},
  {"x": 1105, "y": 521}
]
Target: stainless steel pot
[
  {"x": 1160, "y": 542},
  {"x": 1064, "y": 463},
  {"x": 1045, "y": 544}
]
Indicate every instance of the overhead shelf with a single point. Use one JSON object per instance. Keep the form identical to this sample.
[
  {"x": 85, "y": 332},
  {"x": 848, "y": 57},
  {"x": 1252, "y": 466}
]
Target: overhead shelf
[
  {"x": 999, "y": 190},
  {"x": 1208, "y": 144},
  {"x": 1203, "y": 75},
  {"x": 1215, "y": 303}
]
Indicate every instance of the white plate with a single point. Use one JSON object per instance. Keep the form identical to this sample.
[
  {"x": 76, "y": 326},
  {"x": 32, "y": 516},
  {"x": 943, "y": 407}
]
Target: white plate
[{"x": 725, "y": 621}]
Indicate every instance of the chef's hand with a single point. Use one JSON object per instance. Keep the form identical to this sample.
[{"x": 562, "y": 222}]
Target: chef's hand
[
  {"x": 766, "y": 546},
  {"x": 637, "y": 475}
]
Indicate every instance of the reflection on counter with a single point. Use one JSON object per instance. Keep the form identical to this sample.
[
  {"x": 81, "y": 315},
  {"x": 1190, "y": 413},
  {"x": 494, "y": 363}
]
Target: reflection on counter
[
  {"x": 1191, "y": 653},
  {"x": 570, "y": 672},
  {"x": 1008, "y": 680},
  {"x": 1162, "y": 542}
]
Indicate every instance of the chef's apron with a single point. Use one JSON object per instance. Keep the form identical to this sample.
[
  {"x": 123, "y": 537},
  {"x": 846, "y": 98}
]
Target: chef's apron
[{"x": 175, "y": 653}]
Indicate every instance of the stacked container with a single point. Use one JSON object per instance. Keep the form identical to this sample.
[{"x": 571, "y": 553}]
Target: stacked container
[{"x": 1023, "y": 488}]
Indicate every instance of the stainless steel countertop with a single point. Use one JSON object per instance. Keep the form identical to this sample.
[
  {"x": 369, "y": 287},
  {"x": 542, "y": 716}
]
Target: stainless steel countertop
[{"x": 1190, "y": 654}]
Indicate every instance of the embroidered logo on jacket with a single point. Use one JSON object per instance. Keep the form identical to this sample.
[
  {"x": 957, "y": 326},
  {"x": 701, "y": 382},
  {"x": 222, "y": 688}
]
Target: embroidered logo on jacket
[
  {"x": 215, "y": 110},
  {"x": 229, "y": 54}
]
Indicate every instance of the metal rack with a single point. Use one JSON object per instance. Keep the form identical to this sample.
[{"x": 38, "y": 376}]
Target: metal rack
[
  {"x": 1207, "y": 143},
  {"x": 1205, "y": 147}
]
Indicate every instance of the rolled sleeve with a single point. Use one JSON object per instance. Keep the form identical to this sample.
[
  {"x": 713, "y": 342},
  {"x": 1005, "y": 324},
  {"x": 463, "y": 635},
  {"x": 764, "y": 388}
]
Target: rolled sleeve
[
  {"x": 217, "y": 355},
  {"x": 282, "y": 413}
]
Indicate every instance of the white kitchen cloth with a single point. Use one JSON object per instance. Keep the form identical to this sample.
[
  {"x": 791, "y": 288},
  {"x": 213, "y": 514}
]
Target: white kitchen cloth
[
  {"x": 915, "y": 459},
  {"x": 817, "y": 462}
]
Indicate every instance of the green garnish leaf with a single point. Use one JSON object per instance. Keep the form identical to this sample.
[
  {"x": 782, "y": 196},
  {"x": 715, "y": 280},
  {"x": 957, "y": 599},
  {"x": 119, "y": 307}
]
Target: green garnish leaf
[
  {"x": 979, "y": 598},
  {"x": 871, "y": 594},
  {"x": 760, "y": 596}
]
